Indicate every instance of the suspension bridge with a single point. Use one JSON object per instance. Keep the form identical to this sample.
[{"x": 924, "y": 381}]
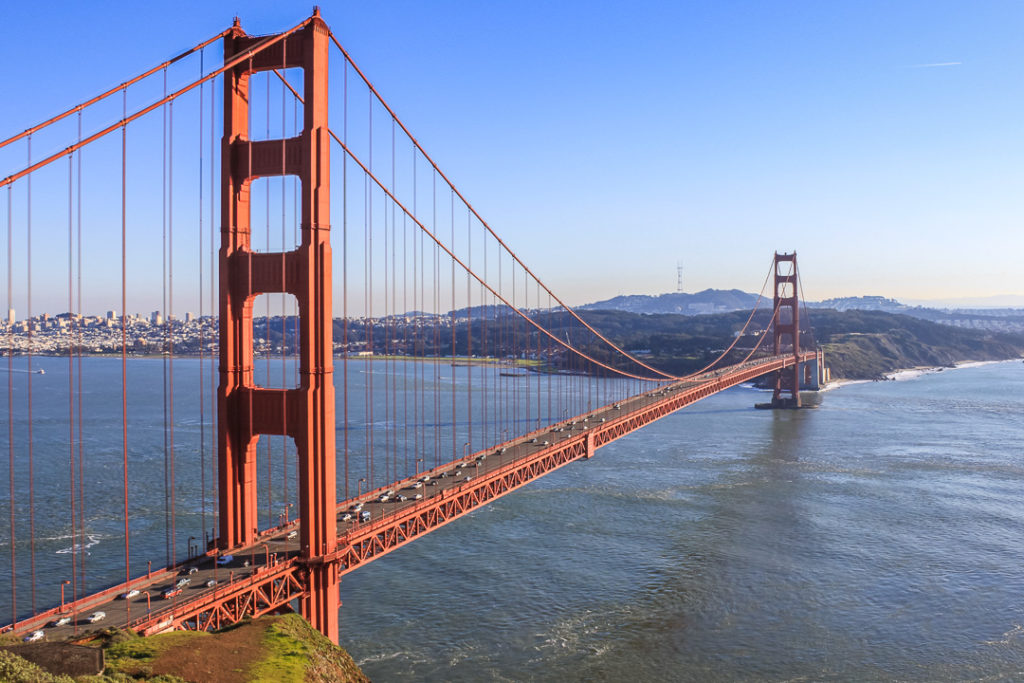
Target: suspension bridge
[{"x": 383, "y": 362}]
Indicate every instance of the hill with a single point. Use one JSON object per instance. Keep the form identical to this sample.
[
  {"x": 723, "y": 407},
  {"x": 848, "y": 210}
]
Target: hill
[
  {"x": 858, "y": 344},
  {"x": 272, "y": 649},
  {"x": 707, "y": 301}
]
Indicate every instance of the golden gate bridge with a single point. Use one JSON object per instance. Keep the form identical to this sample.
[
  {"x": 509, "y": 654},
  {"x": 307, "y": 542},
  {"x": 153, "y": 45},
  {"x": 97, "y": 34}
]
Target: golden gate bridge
[{"x": 452, "y": 376}]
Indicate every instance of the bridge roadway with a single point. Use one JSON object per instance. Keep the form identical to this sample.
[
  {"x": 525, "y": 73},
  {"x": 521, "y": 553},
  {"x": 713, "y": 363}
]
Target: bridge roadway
[{"x": 268, "y": 575}]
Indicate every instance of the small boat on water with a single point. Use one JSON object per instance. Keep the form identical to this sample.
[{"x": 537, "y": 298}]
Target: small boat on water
[{"x": 40, "y": 371}]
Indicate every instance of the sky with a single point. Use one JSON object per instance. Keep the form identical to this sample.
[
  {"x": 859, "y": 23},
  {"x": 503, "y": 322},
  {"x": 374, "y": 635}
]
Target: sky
[{"x": 608, "y": 142}]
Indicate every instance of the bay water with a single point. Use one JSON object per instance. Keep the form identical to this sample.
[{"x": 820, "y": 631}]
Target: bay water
[{"x": 877, "y": 536}]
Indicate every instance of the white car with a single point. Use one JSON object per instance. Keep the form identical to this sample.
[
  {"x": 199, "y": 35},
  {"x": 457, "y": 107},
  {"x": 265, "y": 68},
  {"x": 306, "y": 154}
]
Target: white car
[
  {"x": 211, "y": 583},
  {"x": 357, "y": 507},
  {"x": 293, "y": 534},
  {"x": 97, "y": 616},
  {"x": 418, "y": 496},
  {"x": 425, "y": 477},
  {"x": 225, "y": 559},
  {"x": 364, "y": 516},
  {"x": 61, "y": 621},
  {"x": 401, "y": 497},
  {"x": 34, "y": 636},
  {"x": 129, "y": 595},
  {"x": 418, "y": 485},
  {"x": 346, "y": 517},
  {"x": 384, "y": 498}
]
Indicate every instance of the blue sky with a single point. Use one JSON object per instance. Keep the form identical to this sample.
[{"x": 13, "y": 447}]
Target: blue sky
[{"x": 606, "y": 142}]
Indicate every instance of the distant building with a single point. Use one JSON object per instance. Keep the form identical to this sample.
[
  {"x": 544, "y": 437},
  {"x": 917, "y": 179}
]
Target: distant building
[
  {"x": 155, "y": 318},
  {"x": 111, "y": 315},
  {"x": 190, "y": 316},
  {"x": 10, "y": 316}
]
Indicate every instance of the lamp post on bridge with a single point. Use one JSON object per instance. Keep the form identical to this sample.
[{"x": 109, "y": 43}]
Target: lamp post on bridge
[
  {"x": 359, "y": 486},
  {"x": 148, "y": 605},
  {"x": 418, "y": 461},
  {"x": 62, "y": 584},
  {"x": 190, "y": 539}
]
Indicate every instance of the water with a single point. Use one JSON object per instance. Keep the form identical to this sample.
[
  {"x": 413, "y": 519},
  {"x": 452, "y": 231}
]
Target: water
[{"x": 877, "y": 537}]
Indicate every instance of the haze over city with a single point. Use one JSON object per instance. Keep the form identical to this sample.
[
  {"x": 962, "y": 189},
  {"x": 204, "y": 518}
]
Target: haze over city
[{"x": 881, "y": 141}]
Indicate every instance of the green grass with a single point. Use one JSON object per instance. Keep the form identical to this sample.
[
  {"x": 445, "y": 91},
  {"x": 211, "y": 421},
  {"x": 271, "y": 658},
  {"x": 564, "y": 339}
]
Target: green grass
[{"x": 130, "y": 654}]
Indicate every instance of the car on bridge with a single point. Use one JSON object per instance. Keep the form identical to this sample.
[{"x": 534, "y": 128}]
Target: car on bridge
[
  {"x": 97, "y": 616},
  {"x": 224, "y": 559},
  {"x": 294, "y": 533},
  {"x": 34, "y": 636},
  {"x": 183, "y": 582},
  {"x": 61, "y": 621},
  {"x": 128, "y": 595},
  {"x": 171, "y": 592},
  {"x": 364, "y": 516}
]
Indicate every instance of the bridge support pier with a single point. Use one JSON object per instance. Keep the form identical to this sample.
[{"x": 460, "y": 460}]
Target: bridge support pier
[{"x": 306, "y": 413}]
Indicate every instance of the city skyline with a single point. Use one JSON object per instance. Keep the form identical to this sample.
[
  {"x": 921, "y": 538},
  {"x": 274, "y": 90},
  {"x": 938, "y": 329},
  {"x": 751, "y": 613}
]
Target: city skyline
[{"x": 713, "y": 136}]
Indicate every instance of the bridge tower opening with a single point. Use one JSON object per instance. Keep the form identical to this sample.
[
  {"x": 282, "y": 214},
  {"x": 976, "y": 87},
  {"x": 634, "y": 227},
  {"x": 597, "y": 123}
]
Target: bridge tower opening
[
  {"x": 305, "y": 413},
  {"x": 786, "y": 330}
]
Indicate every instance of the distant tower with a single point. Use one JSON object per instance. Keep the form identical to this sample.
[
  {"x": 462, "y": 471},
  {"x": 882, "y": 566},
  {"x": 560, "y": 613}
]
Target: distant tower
[
  {"x": 679, "y": 277},
  {"x": 10, "y": 316}
]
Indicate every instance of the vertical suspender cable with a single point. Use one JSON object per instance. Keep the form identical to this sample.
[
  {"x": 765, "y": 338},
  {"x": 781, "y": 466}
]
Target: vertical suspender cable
[
  {"x": 393, "y": 318},
  {"x": 213, "y": 313},
  {"x": 169, "y": 322},
  {"x": 469, "y": 331},
  {"x": 451, "y": 315},
  {"x": 81, "y": 452},
  {"x": 202, "y": 340},
  {"x": 266, "y": 335},
  {"x": 344, "y": 279},
  {"x": 31, "y": 458},
  {"x": 163, "y": 307},
  {"x": 10, "y": 401},
  {"x": 248, "y": 253},
  {"x": 369, "y": 293},
  {"x": 124, "y": 339},
  {"x": 71, "y": 382},
  {"x": 284, "y": 297}
]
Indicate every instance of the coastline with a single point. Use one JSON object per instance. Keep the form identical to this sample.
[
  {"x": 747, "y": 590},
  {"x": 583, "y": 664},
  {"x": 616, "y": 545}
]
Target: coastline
[{"x": 905, "y": 374}]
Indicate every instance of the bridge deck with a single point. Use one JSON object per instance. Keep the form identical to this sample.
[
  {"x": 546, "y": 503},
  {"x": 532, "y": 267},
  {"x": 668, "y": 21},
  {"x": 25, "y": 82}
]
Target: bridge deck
[{"x": 267, "y": 576}]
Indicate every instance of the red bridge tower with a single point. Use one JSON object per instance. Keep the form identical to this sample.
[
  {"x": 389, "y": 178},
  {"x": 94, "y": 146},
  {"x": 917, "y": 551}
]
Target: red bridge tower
[
  {"x": 786, "y": 331},
  {"x": 306, "y": 413}
]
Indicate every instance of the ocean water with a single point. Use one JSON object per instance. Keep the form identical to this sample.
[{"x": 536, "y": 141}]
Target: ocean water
[{"x": 878, "y": 536}]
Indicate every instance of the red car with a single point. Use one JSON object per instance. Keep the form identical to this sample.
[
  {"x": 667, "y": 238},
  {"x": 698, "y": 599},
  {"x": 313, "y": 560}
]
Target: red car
[{"x": 171, "y": 592}]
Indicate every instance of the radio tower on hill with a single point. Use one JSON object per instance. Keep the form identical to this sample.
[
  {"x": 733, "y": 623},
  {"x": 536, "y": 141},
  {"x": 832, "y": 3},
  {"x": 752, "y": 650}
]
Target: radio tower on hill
[{"x": 679, "y": 277}]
